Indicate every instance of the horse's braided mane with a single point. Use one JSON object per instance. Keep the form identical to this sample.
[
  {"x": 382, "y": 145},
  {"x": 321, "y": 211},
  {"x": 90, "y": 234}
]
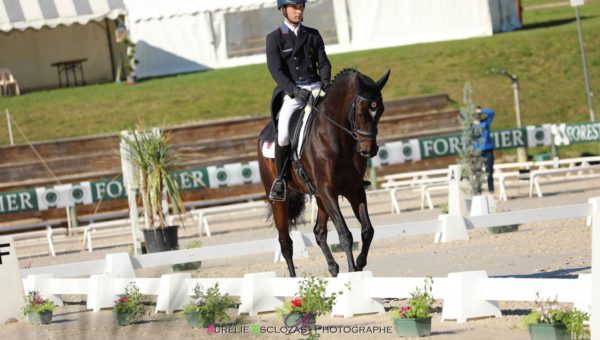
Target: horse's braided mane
[{"x": 343, "y": 73}]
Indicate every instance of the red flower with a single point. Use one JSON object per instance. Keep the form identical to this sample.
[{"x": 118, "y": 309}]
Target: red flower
[
  {"x": 296, "y": 303},
  {"x": 39, "y": 300},
  {"x": 123, "y": 299},
  {"x": 403, "y": 310}
]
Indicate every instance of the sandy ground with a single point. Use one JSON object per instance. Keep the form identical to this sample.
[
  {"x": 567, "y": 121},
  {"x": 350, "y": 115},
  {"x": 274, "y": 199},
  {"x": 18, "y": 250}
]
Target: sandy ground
[{"x": 549, "y": 249}]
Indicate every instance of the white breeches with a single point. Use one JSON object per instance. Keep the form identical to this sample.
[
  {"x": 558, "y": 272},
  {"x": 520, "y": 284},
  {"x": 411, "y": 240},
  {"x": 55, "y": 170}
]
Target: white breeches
[{"x": 290, "y": 105}]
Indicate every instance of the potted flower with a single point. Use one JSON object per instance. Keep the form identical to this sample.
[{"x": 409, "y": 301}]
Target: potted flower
[
  {"x": 37, "y": 309},
  {"x": 413, "y": 319},
  {"x": 310, "y": 302},
  {"x": 154, "y": 161},
  {"x": 207, "y": 308},
  {"x": 129, "y": 307},
  {"x": 549, "y": 321}
]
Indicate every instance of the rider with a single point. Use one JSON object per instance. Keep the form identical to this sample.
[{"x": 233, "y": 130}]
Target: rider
[{"x": 298, "y": 63}]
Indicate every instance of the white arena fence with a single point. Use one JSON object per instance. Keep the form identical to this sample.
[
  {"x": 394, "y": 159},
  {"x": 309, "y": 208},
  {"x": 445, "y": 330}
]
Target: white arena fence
[{"x": 465, "y": 294}]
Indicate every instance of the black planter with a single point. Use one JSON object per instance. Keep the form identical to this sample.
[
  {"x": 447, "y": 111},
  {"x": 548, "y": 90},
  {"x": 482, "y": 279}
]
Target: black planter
[{"x": 161, "y": 239}]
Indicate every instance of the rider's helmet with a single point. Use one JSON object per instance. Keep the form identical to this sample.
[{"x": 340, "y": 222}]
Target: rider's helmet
[{"x": 281, "y": 3}]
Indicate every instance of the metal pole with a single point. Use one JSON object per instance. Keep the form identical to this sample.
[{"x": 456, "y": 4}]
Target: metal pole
[
  {"x": 515, "y": 85},
  {"x": 10, "y": 135},
  {"x": 585, "y": 70}
]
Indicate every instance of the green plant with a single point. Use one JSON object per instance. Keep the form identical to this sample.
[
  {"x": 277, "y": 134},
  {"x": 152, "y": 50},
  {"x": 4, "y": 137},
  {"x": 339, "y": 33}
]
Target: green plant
[
  {"x": 419, "y": 303},
  {"x": 131, "y": 303},
  {"x": 211, "y": 305},
  {"x": 34, "y": 302},
  {"x": 130, "y": 60},
  {"x": 311, "y": 298},
  {"x": 470, "y": 156},
  {"x": 189, "y": 265},
  {"x": 549, "y": 312},
  {"x": 151, "y": 154}
]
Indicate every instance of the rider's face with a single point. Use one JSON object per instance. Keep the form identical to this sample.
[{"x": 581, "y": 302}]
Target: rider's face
[{"x": 295, "y": 13}]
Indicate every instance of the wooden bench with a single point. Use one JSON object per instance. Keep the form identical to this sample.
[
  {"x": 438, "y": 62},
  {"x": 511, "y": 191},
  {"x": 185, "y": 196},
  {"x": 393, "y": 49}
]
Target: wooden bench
[
  {"x": 421, "y": 181},
  {"x": 536, "y": 175},
  {"x": 200, "y": 216},
  {"x": 37, "y": 238},
  {"x": 105, "y": 229}
]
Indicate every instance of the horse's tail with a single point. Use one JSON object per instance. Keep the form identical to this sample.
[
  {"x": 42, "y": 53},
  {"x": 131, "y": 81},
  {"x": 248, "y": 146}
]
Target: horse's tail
[{"x": 296, "y": 207}]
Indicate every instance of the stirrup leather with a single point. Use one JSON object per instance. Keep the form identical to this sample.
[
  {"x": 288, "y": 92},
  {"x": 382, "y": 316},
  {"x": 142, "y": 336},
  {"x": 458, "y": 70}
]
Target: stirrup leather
[{"x": 278, "y": 196}]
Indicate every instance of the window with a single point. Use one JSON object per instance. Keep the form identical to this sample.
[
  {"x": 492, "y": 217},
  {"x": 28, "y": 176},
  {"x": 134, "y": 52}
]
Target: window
[{"x": 246, "y": 30}]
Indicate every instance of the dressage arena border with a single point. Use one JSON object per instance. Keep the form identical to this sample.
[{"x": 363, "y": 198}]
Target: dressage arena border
[{"x": 466, "y": 294}]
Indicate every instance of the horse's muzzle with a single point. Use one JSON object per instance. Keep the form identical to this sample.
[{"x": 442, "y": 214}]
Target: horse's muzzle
[{"x": 370, "y": 153}]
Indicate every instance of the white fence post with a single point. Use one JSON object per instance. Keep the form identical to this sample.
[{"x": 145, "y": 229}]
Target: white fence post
[
  {"x": 453, "y": 229},
  {"x": 12, "y": 284},
  {"x": 595, "y": 315},
  {"x": 357, "y": 299},
  {"x": 100, "y": 293},
  {"x": 41, "y": 283},
  {"x": 119, "y": 265},
  {"x": 173, "y": 292},
  {"x": 257, "y": 295},
  {"x": 463, "y": 298},
  {"x": 583, "y": 293}
]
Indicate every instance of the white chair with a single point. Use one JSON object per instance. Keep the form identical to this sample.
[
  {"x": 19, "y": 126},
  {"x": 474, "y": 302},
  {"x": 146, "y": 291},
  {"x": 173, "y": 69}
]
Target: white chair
[{"x": 8, "y": 83}]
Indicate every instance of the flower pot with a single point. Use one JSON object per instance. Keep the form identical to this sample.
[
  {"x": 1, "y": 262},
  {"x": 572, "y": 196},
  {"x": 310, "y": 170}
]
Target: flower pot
[
  {"x": 548, "y": 331},
  {"x": 195, "y": 320},
  {"x": 412, "y": 327},
  {"x": 161, "y": 239},
  {"x": 40, "y": 318},
  {"x": 299, "y": 320},
  {"x": 123, "y": 319}
]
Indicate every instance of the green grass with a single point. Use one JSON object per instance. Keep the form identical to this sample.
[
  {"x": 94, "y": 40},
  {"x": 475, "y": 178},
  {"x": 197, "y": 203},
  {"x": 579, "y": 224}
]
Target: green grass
[{"x": 545, "y": 55}]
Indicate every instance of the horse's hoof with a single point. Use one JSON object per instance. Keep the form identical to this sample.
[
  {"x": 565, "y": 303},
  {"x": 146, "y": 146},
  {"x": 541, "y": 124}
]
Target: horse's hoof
[
  {"x": 334, "y": 271},
  {"x": 361, "y": 262}
]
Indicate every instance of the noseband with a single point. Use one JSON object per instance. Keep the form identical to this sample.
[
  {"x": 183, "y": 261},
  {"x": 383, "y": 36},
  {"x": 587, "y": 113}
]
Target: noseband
[{"x": 353, "y": 131}]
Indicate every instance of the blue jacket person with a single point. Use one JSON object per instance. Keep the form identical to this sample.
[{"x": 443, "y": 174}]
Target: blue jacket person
[{"x": 298, "y": 63}]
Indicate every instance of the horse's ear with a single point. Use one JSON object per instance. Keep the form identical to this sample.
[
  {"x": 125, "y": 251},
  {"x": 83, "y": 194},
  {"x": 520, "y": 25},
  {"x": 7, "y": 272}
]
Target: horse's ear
[{"x": 381, "y": 82}]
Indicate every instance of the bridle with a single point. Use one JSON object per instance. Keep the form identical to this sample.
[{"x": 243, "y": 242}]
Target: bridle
[{"x": 353, "y": 131}]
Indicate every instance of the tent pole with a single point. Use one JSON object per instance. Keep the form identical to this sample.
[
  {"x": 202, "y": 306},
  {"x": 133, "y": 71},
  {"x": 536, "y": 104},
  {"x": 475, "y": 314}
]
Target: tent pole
[{"x": 110, "y": 49}]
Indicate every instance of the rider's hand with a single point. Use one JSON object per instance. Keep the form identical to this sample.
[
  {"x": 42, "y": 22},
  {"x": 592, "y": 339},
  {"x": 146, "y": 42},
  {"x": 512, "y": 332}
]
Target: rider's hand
[
  {"x": 325, "y": 85},
  {"x": 301, "y": 94}
]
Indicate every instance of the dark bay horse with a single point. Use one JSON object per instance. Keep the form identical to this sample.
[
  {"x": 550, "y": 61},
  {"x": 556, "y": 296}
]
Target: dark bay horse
[{"x": 342, "y": 137}]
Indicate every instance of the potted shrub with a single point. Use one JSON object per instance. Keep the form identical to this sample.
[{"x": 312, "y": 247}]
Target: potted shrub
[
  {"x": 37, "y": 309},
  {"x": 129, "y": 308},
  {"x": 151, "y": 155},
  {"x": 549, "y": 321},
  {"x": 413, "y": 319},
  {"x": 310, "y": 302},
  {"x": 207, "y": 308}
]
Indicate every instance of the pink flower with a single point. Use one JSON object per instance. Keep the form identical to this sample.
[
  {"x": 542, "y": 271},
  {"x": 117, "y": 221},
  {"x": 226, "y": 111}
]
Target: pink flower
[
  {"x": 121, "y": 300},
  {"x": 403, "y": 310}
]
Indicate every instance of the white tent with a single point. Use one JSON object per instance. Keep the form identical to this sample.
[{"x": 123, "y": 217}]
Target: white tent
[
  {"x": 37, "y": 33},
  {"x": 189, "y": 35}
]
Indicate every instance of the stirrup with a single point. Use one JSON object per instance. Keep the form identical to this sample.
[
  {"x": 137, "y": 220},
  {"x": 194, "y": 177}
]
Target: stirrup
[{"x": 276, "y": 196}]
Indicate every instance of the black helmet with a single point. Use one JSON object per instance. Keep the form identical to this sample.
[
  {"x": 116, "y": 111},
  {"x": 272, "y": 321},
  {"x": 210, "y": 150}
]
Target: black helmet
[{"x": 281, "y": 3}]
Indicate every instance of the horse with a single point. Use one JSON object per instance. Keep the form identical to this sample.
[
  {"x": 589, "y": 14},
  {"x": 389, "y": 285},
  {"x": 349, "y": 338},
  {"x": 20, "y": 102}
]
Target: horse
[{"x": 342, "y": 136}]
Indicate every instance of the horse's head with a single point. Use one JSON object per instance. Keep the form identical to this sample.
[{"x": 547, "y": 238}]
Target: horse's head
[{"x": 365, "y": 112}]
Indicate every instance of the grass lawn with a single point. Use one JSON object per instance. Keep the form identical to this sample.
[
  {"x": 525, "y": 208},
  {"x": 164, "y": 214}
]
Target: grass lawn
[{"x": 544, "y": 54}]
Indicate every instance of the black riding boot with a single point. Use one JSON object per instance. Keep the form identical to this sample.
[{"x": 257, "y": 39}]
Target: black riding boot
[{"x": 278, "y": 189}]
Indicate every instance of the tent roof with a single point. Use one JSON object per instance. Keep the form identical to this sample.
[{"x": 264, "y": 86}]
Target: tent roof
[
  {"x": 141, "y": 10},
  {"x": 24, "y": 14}
]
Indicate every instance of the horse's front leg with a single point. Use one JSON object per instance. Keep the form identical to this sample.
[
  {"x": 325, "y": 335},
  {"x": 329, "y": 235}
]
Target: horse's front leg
[
  {"x": 332, "y": 208},
  {"x": 280, "y": 216},
  {"x": 320, "y": 231},
  {"x": 359, "y": 206}
]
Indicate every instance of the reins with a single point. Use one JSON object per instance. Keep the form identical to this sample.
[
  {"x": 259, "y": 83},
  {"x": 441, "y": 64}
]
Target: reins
[{"x": 353, "y": 131}]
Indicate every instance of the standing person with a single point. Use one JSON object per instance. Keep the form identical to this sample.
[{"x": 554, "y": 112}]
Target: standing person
[
  {"x": 298, "y": 63},
  {"x": 485, "y": 143}
]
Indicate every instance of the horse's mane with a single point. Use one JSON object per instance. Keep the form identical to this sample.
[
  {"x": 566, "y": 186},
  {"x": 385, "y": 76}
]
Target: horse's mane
[{"x": 362, "y": 79}]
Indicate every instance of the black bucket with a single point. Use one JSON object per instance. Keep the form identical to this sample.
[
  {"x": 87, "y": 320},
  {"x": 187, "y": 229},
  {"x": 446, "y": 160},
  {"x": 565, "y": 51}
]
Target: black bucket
[{"x": 161, "y": 239}]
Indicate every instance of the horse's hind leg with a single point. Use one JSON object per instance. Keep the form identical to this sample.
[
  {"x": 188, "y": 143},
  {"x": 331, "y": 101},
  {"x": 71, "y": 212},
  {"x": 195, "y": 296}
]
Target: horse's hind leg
[
  {"x": 320, "y": 231},
  {"x": 359, "y": 206},
  {"x": 280, "y": 216},
  {"x": 331, "y": 206}
]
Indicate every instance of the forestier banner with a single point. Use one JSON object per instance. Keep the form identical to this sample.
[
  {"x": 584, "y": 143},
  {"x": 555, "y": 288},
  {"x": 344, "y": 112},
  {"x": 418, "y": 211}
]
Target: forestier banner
[{"x": 395, "y": 152}]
